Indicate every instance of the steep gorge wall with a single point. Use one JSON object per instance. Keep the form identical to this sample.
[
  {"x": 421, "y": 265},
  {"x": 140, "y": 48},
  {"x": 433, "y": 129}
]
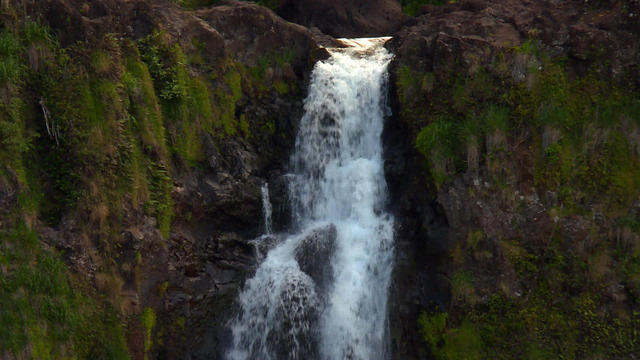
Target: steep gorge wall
[
  {"x": 518, "y": 184},
  {"x": 135, "y": 138}
]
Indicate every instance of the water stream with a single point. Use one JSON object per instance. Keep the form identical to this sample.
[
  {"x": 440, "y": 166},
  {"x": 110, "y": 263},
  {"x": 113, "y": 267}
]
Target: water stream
[
  {"x": 321, "y": 290},
  {"x": 266, "y": 209}
]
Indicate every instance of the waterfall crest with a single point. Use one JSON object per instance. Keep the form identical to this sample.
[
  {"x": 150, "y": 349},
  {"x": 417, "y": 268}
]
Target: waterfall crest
[{"x": 321, "y": 292}]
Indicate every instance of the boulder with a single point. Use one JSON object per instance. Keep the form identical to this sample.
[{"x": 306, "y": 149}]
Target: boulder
[{"x": 314, "y": 255}]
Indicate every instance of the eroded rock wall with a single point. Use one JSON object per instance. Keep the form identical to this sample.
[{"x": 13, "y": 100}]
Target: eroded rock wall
[
  {"x": 508, "y": 219},
  {"x": 170, "y": 121}
]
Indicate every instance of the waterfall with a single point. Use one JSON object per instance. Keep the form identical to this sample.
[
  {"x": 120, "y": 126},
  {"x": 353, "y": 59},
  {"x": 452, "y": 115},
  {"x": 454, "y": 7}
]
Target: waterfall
[
  {"x": 266, "y": 208},
  {"x": 321, "y": 291}
]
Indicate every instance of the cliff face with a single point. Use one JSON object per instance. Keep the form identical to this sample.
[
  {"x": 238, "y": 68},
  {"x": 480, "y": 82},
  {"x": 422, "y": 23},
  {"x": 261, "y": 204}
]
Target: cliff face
[
  {"x": 135, "y": 136},
  {"x": 518, "y": 186}
]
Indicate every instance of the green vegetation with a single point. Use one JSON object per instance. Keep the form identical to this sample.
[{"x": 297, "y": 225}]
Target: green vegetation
[
  {"x": 586, "y": 129},
  {"x": 559, "y": 315},
  {"x": 568, "y": 300},
  {"x": 438, "y": 142},
  {"x": 411, "y": 7},
  {"x": 450, "y": 344},
  {"x": 572, "y": 136},
  {"x": 148, "y": 320},
  {"x": 90, "y": 134},
  {"x": 41, "y": 313},
  {"x": 193, "y": 104}
]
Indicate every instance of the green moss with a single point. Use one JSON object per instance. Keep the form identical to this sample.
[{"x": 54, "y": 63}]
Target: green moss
[
  {"x": 144, "y": 108},
  {"x": 101, "y": 62},
  {"x": 474, "y": 237},
  {"x": 563, "y": 310},
  {"x": 58, "y": 179},
  {"x": 34, "y": 32},
  {"x": 160, "y": 203},
  {"x": 10, "y": 63},
  {"x": 497, "y": 118},
  {"x": 531, "y": 47},
  {"x": 411, "y": 85},
  {"x": 15, "y": 138},
  {"x": 259, "y": 83},
  {"x": 268, "y": 127},
  {"x": 39, "y": 308},
  {"x": 439, "y": 143},
  {"x": 162, "y": 288},
  {"x": 579, "y": 121},
  {"x": 610, "y": 174},
  {"x": 432, "y": 328},
  {"x": 189, "y": 105},
  {"x": 411, "y": 7},
  {"x": 166, "y": 66},
  {"x": 445, "y": 343},
  {"x": 462, "y": 288},
  {"x": 243, "y": 125},
  {"x": 226, "y": 101},
  {"x": 282, "y": 88},
  {"x": 148, "y": 320},
  {"x": 283, "y": 57}
]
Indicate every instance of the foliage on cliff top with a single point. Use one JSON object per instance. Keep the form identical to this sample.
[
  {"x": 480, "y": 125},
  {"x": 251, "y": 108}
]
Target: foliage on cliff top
[{"x": 412, "y": 7}]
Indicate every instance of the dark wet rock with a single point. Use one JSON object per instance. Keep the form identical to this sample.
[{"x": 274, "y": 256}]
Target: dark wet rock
[
  {"x": 280, "y": 204},
  {"x": 265, "y": 243},
  {"x": 314, "y": 255},
  {"x": 421, "y": 240}
]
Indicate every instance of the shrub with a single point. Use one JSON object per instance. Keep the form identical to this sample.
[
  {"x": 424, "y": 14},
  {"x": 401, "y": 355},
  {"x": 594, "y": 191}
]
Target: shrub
[{"x": 462, "y": 343}]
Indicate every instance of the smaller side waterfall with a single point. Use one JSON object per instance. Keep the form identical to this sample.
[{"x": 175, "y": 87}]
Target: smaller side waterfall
[{"x": 266, "y": 209}]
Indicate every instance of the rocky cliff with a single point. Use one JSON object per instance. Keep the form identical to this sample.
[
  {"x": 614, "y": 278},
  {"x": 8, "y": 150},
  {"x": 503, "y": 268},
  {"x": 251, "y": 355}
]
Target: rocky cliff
[
  {"x": 135, "y": 137},
  {"x": 518, "y": 184}
]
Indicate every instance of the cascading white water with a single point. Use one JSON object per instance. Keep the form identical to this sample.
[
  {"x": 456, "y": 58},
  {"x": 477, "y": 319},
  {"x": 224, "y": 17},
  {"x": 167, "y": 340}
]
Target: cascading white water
[
  {"x": 266, "y": 208},
  {"x": 322, "y": 292}
]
